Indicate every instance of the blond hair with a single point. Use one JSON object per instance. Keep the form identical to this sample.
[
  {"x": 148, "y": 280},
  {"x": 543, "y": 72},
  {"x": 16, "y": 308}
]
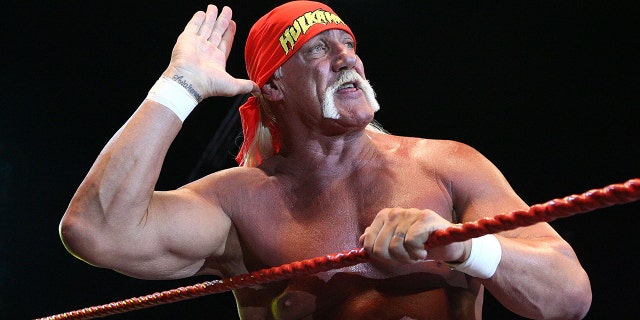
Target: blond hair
[{"x": 262, "y": 146}]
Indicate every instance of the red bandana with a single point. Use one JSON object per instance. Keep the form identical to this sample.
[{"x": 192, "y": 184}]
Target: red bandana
[{"x": 272, "y": 40}]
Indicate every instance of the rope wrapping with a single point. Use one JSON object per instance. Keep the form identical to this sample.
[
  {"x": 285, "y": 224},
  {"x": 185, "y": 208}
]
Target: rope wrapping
[{"x": 546, "y": 212}]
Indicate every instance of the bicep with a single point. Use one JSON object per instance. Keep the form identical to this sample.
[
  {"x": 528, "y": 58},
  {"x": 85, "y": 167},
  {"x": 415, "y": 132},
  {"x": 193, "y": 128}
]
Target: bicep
[
  {"x": 478, "y": 188},
  {"x": 179, "y": 232},
  {"x": 481, "y": 191}
]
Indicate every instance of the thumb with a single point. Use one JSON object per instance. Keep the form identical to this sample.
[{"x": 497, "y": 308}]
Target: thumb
[{"x": 248, "y": 86}]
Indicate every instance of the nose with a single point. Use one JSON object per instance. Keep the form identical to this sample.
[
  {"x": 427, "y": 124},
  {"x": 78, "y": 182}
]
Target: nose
[{"x": 346, "y": 58}]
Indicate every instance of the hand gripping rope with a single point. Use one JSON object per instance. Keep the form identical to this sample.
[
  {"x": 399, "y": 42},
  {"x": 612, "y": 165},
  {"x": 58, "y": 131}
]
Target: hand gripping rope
[{"x": 549, "y": 211}]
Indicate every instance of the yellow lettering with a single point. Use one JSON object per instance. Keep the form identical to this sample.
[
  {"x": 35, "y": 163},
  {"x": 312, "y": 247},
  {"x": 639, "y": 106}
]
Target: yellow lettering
[
  {"x": 295, "y": 30},
  {"x": 302, "y": 24},
  {"x": 319, "y": 16},
  {"x": 285, "y": 38},
  {"x": 332, "y": 17}
]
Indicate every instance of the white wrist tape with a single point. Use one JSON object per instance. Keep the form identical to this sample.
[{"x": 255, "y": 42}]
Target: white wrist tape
[
  {"x": 484, "y": 258},
  {"x": 174, "y": 96}
]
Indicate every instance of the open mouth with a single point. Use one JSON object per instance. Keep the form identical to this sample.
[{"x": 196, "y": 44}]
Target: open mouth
[{"x": 348, "y": 85}]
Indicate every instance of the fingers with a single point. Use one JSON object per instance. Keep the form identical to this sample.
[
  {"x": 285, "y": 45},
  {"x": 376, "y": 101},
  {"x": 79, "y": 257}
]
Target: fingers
[
  {"x": 396, "y": 234},
  {"x": 368, "y": 238},
  {"x": 209, "y": 22},
  {"x": 386, "y": 235},
  {"x": 220, "y": 28},
  {"x": 414, "y": 242},
  {"x": 247, "y": 86},
  {"x": 213, "y": 27},
  {"x": 227, "y": 39},
  {"x": 407, "y": 242},
  {"x": 194, "y": 24},
  {"x": 397, "y": 248},
  {"x": 202, "y": 50},
  {"x": 255, "y": 90}
]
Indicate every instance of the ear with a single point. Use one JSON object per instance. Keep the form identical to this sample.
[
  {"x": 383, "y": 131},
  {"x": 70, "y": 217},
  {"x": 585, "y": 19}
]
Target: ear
[{"x": 271, "y": 91}]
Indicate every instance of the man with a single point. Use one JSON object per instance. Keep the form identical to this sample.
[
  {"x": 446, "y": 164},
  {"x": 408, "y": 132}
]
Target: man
[{"x": 315, "y": 178}]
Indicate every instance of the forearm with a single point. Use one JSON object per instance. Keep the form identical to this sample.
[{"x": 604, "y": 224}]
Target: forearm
[
  {"x": 127, "y": 169},
  {"x": 118, "y": 188},
  {"x": 116, "y": 204},
  {"x": 540, "y": 280}
]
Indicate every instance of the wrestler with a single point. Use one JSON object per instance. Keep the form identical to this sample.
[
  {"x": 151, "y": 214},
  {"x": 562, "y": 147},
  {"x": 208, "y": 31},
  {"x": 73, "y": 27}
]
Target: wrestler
[{"x": 316, "y": 176}]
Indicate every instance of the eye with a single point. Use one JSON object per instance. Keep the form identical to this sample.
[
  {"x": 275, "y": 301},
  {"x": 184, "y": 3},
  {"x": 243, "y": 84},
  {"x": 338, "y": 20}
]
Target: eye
[
  {"x": 320, "y": 47},
  {"x": 350, "y": 44}
]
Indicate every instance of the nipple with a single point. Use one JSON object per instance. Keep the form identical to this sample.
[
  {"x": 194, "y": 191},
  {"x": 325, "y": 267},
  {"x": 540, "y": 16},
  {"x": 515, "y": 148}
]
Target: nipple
[{"x": 293, "y": 305}]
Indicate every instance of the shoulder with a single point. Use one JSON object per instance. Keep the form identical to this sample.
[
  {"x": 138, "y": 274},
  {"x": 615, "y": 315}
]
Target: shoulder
[
  {"x": 230, "y": 180},
  {"x": 228, "y": 175},
  {"x": 426, "y": 149},
  {"x": 450, "y": 160},
  {"x": 229, "y": 186}
]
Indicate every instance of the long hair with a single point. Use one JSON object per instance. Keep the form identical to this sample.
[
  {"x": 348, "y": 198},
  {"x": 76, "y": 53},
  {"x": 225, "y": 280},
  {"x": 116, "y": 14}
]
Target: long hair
[{"x": 262, "y": 147}]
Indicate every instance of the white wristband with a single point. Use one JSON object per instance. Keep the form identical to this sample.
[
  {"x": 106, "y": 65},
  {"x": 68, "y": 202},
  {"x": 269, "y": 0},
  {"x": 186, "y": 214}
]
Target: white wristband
[
  {"x": 173, "y": 95},
  {"x": 484, "y": 258}
]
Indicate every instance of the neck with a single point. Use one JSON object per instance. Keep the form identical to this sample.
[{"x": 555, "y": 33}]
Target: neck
[{"x": 324, "y": 157}]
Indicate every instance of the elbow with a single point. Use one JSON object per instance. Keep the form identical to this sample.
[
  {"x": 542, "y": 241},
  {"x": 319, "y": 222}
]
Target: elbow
[
  {"x": 581, "y": 297},
  {"x": 67, "y": 230},
  {"x": 577, "y": 297},
  {"x": 77, "y": 238},
  {"x": 570, "y": 300}
]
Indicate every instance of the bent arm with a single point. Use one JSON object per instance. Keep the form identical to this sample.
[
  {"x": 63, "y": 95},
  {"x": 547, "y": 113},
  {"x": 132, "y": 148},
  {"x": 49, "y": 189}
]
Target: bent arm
[
  {"x": 115, "y": 219},
  {"x": 539, "y": 275}
]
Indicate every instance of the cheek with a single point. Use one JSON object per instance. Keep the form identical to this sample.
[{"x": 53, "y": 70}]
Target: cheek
[
  {"x": 307, "y": 78},
  {"x": 360, "y": 68}
]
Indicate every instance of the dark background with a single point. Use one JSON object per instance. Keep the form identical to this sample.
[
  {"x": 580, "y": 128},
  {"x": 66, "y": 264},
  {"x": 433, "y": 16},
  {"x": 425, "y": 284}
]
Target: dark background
[{"x": 548, "y": 90}]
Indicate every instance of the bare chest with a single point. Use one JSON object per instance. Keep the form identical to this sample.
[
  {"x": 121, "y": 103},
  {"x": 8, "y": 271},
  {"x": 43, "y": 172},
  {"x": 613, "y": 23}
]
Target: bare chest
[{"x": 313, "y": 222}]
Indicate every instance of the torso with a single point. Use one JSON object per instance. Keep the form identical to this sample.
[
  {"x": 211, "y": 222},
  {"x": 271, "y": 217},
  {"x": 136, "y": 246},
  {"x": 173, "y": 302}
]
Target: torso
[{"x": 274, "y": 227}]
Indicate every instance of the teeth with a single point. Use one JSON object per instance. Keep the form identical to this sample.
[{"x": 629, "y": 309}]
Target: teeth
[{"x": 347, "y": 85}]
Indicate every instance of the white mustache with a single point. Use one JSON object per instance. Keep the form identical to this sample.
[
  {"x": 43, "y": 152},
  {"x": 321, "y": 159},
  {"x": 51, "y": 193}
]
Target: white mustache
[{"x": 329, "y": 110}]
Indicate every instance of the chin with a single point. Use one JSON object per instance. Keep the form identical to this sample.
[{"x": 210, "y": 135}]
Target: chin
[{"x": 356, "y": 119}]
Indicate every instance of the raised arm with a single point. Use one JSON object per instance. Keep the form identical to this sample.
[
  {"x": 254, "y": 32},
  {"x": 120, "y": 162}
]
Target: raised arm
[{"x": 115, "y": 219}]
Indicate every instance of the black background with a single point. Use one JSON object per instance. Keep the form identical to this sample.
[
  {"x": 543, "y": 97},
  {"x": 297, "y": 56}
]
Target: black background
[{"x": 547, "y": 90}]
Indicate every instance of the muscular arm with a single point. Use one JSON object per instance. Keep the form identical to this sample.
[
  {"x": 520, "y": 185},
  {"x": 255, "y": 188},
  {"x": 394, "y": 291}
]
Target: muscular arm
[
  {"x": 539, "y": 275},
  {"x": 116, "y": 220}
]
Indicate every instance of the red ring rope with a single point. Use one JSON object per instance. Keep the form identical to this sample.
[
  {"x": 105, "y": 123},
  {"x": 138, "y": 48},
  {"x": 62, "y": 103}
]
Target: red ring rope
[{"x": 549, "y": 211}]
